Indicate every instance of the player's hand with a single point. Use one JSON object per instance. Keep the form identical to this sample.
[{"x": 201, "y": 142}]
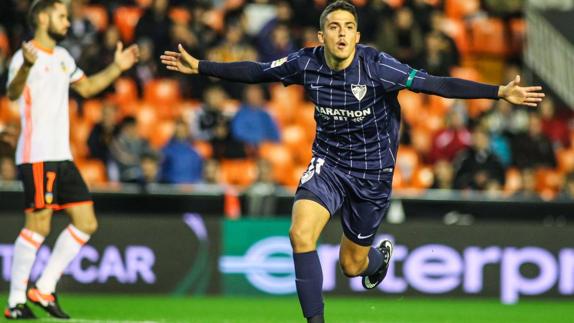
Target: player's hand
[
  {"x": 125, "y": 59},
  {"x": 180, "y": 61},
  {"x": 30, "y": 54},
  {"x": 516, "y": 94}
]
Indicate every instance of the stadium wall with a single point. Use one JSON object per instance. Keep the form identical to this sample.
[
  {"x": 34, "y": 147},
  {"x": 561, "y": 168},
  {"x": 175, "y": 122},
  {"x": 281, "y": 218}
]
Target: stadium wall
[{"x": 196, "y": 253}]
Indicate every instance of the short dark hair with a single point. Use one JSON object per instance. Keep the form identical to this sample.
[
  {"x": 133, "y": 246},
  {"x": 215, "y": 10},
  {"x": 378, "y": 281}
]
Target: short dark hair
[
  {"x": 337, "y": 5},
  {"x": 37, "y": 7}
]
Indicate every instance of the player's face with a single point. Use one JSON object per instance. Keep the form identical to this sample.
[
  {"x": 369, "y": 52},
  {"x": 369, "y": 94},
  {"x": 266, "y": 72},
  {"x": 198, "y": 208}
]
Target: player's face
[
  {"x": 58, "y": 23},
  {"x": 339, "y": 34}
]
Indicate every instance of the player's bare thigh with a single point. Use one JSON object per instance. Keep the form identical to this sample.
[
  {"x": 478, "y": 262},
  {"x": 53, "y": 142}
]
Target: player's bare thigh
[
  {"x": 83, "y": 217},
  {"x": 353, "y": 257},
  {"x": 307, "y": 222},
  {"x": 39, "y": 221}
]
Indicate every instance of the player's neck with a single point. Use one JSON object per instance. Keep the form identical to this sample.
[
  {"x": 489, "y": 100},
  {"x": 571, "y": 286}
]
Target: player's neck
[
  {"x": 44, "y": 41},
  {"x": 338, "y": 65}
]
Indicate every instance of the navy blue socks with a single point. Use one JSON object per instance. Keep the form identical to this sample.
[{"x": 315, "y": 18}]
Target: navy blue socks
[
  {"x": 309, "y": 281},
  {"x": 375, "y": 261}
]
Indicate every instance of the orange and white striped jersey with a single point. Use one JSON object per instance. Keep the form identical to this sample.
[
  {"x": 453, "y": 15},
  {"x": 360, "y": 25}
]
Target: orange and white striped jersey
[{"x": 44, "y": 105}]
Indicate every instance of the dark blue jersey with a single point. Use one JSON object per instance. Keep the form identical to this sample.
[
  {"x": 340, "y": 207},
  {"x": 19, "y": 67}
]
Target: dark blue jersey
[{"x": 356, "y": 109}]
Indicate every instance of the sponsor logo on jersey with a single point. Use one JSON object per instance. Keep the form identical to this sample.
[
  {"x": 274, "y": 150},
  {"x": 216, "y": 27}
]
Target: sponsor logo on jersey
[
  {"x": 344, "y": 114},
  {"x": 279, "y": 62}
]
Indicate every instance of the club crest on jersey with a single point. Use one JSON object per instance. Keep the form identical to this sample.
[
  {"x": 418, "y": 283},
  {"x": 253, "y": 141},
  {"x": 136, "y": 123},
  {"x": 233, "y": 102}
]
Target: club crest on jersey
[
  {"x": 359, "y": 91},
  {"x": 64, "y": 68},
  {"x": 49, "y": 198}
]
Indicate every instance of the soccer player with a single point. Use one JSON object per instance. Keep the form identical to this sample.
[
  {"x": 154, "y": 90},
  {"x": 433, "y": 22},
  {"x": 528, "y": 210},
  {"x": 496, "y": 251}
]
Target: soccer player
[
  {"x": 355, "y": 89},
  {"x": 40, "y": 76}
]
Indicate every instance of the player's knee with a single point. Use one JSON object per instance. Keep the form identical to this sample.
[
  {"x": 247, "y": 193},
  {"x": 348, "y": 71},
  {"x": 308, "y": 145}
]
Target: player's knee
[
  {"x": 41, "y": 229},
  {"x": 351, "y": 267},
  {"x": 302, "y": 240},
  {"x": 87, "y": 227}
]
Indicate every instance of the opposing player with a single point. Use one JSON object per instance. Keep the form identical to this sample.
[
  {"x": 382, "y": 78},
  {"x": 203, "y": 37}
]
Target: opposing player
[
  {"x": 355, "y": 89},
  {"x": 40, "y": 76}
]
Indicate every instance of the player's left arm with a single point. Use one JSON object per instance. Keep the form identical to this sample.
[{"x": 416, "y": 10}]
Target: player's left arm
[
  {"x": 123, "y": 60},
  {"x": 451, "y": 87}
]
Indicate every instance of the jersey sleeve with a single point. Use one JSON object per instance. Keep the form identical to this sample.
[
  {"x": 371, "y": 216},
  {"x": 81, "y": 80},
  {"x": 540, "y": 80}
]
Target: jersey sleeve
[
  {"x": 285, "y": 70},
  {"x": 75, "y": 72},
  {"x": 15, "y": 64},
  {"x": 392, "y": 74}
]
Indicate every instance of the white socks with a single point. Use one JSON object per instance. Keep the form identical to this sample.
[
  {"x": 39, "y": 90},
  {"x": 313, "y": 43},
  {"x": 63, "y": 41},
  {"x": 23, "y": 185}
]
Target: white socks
[
  {"x": 25, "y": 248},
  {"x": 65, "y": 250}
]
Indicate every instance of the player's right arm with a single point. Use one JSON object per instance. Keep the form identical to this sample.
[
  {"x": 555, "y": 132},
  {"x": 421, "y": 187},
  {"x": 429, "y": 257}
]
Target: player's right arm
[
  {"x": 19, "y": 69},
  {"x": 285, "y": 70}
]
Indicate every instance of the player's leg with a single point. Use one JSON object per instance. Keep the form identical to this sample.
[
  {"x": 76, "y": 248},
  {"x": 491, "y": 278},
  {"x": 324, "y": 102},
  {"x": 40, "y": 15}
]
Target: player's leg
[
  {"x": 74, "y": 198},
  {"x": 308, "y": 220},
  {"x": 36, "y": 228}
]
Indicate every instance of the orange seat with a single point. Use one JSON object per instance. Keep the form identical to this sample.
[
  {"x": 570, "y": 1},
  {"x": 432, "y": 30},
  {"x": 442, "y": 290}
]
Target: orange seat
[
  {"x": 93, "y": 171},
  {"x": 146, "y": 117},
  {"x": 468, "y": 73},
  {"x": 79, "y": 132},
  {"x": 281, "y": 160},
  {"x": 162, "y": 93},
  {"x": 517, "y": 34},
  {"x": 9, "y": 111},
  {"x": 4, "y": 43},
  {"x": 488, "y": 37},
  {"x": 411, "y": 106},
  {"x": 241, "y": 172},
  {"x": 306, "y": 119},
  {"x": 513, "y": 182},
  {"x": 565, "y": 159},
  {"x": 458, "y": 9},
  {"x": 288, "y": 94},
  {"x": 203, "y": 148},
  {"x": 92, "y": 111},
  {"x": 126, "y": 91},
  {"x": 97, "y": 15},
  {"x": 233, "y": 4},
  {"x": 395, "y": 4},
  {"x": 457, "y": 30},
  {"x": 407, "y": 162},
  {"x": 126, "y": 18},
  {"x": 548, "y": 182},
  {"x": 295, "y": 138},
  {"x": 215, "y": 19},
  {"x": 144, "y": 3},
  {"x": 421, "y": 140},
  {"x": 162, "y": 133},
  {"x": 422, "y": 178},
  {"x": 180, "y": 15}
]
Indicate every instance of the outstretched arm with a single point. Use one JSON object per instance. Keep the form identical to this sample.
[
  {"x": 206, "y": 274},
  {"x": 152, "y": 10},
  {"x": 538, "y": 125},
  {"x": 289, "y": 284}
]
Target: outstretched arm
[
  {"x": 123, "y": 60},
  {"x": 458, "y": 88},
  {"x": 16, "y": 86},
  {"x": 246, "y": 72}
]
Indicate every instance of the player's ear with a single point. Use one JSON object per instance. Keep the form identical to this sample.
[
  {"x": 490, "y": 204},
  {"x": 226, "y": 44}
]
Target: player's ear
[
  {"x": 320, "y": 37},
  {"x": 43, "y": 19}
]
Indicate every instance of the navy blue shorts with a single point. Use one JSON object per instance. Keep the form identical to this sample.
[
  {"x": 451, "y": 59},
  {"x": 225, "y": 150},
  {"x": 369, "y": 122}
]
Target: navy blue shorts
[{"x": 362, "y": 202}]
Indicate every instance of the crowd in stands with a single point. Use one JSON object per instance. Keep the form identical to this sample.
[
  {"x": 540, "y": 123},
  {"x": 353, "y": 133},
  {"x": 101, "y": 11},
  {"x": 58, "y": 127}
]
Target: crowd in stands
[{"x": 157, "y": 126}]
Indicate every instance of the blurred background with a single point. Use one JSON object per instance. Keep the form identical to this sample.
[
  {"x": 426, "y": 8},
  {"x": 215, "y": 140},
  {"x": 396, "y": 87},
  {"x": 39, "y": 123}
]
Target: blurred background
[{"x": 225, "y": 158}]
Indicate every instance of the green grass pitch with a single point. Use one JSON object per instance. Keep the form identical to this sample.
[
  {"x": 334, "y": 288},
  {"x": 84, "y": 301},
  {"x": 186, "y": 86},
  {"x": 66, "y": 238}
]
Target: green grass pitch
[{"x": 153, "y": 309}]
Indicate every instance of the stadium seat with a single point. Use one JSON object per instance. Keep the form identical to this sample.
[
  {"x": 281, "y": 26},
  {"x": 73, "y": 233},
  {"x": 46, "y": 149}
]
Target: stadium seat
[
  {"x": 180, "y": 15},
  {"x": 241, "y": 172},
  {"x": 126, "y": 19},
  {"x": 513, "y": 182},
  {"x": 9, "y": 110},
  {"x": 233, "y": 4},
  {"x": 459, "y": 9},
  {"x": 517, "y": 34},
  {"x": 488, "y": 37},
  {"x": 306, "y": 119},
  {"x": 161, "y": 133},
  {"x": 79, "y": 133},
  {"x": 395, "y": 4},
  {"x": 97, "y": 15},
  {"x": 287, "y": 94},
  {"x": 468, "y": 73},
  {"x": 411, "y": 106},
  {"x": 144, "y": 3},
  {"x": 4, "y": 43},
  {"x": 93, "y": 171},
  {"x": 421, "y": 140},
  {"x": 215, "y": 19},
  {"x": 281, "y": 160},
  {"x": 203, "y": 148},
  {"x": 92, "y": 111},
  {"x": 407, "y": 162},
  {"x": 296, "y": 139},
  {"x": 565, "y": 159},
  {"x": 548, "y": 182},
  {"x": 423, "y": 178},
  {"x": 126, "y": 91},
  {"x": 162, "y": 93},
  {"x": 457, "y": 30},
  {"x": 146, "y": 116}
]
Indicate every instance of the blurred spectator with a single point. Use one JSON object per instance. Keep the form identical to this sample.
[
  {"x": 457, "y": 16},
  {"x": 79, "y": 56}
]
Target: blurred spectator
[
  {"x": 81, "y": 32},
  {"x": 103, "y": 133},
  {"x": 439, "y": 25},
  {"x": 211, "y": 172},
  {"x": 533, "y": 149},
  {"x": 443, "y": 175},
  {"x": 180, "y": 164},
  {"x": 146, "y": 69},
  {"x": 451, "y": 140},
  {"x": 210, "y": 116},
  {"x": 8, "y": 140},
  {"x": 274, "y": 39},
  {"x": 437, "y": 58},
  {"x": 527, "y": 183},
  {"x": 554, "y": 127},
  {"x": 477, "y": 167},
  {"x": 505, "y": 119},
  {"x": 3, "y": 68},
  {"x": 499, "y": 143},
  {"x": 568, "y": 190},
  {"x": 422, "y": 13},
  {"x": 258, "y": 14},
  {"x": 261, "y": 196},
  {"x": 8, "y": 170},
  {"x": 150, "y": 168},
  {"x": 401, "y": 37},
  {"x": 126, "y": 152},
  {"x": 252, "y": 124},
  {"x": 156, "y": 25}
]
